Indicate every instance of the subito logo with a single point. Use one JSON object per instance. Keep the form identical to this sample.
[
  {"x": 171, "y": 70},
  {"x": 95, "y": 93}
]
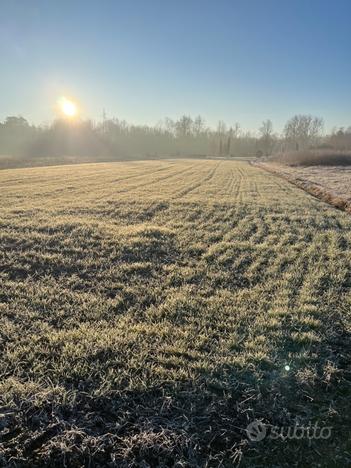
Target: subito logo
[{"x": 256, "y": 431}]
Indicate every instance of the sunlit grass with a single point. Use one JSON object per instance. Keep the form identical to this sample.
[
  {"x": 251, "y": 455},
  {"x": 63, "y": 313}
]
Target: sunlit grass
[{"x": 151, "y": 310}]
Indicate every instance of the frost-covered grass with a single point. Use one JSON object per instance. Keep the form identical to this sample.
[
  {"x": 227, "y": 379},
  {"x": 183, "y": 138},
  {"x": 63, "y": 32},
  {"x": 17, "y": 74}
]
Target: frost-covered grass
[{"x": 149, "y": 311}]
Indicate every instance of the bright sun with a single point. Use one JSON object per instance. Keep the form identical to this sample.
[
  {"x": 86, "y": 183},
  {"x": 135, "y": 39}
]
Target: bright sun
[{"x": 68, "y": 107}]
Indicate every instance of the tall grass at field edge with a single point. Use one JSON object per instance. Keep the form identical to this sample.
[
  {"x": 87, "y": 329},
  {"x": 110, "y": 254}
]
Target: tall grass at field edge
[{"x": 320, "y": 157}]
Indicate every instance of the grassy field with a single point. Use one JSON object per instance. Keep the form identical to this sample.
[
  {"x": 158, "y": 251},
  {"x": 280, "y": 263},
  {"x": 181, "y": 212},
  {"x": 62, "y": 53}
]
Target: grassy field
[
  {"x": 151, "y": 310},
  {"x": 329, "y": 183}
]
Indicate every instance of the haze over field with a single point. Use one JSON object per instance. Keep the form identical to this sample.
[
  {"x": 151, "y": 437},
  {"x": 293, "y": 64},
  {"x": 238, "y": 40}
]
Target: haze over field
[{"x": 175, "y": 233}]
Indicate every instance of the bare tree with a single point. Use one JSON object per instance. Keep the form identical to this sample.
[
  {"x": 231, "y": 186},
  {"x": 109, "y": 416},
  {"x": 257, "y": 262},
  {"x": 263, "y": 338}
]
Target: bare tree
[
  {"x": 221, "y": 135},
  {"x": 302, "y": 131},
  {"x": 340, "y": 139},
  {"x": 267, "y": 138},
  {"x": 199, "y": 125},
  {"x": 169, "y": 125},
  {"x": 184, "y": 126}
]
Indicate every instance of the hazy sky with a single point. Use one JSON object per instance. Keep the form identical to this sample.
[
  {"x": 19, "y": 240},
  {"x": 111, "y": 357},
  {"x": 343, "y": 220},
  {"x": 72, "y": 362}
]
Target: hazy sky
[{"x": 236, "y": 60}]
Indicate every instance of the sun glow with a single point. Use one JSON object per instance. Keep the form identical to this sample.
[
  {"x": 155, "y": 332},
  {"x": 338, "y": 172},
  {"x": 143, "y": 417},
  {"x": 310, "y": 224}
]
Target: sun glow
[{"x": 68, "y": 107}]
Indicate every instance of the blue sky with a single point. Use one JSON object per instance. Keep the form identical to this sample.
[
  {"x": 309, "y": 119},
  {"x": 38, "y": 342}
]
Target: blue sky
[{"x": 141, "y": 60}]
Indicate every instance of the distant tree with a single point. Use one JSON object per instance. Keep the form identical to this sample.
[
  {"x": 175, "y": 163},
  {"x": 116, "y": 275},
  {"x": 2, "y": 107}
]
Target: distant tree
[
  {"x": 199, "y": 125},
  {"x": 302, "y": 131},
  {"x": 222, "y": 146},
  {"x": 267, "y": 138},
  {"x": 221, "y": 137},
  {"x": 221, "y": 128},
  {"x": 184, "y": 126},
  {"x": 228, "y": 145},
  {"x": 169, "y": 125},
  {"x": 16, "y": 122},
  {"x": 340, "y": 139},
  {"x": 233, "y": 139},
  {"x": 16, "y": 135}
]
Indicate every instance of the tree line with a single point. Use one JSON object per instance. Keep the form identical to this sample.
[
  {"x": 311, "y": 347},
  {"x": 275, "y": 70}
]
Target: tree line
[{"x": 187, "y": 136}]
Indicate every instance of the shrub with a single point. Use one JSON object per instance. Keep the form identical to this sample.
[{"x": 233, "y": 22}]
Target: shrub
[{"x": 321, "y": 157}]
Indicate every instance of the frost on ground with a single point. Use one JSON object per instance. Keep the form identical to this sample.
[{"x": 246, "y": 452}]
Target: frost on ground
[
  {"x": 150, "y": 311},
  {"x": 329, "y": 183}
]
